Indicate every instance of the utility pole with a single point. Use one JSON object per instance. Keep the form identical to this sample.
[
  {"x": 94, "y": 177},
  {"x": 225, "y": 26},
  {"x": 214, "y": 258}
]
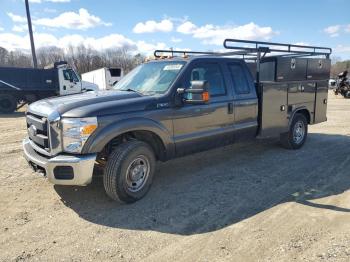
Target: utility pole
[{"x": 35, "y": 63}]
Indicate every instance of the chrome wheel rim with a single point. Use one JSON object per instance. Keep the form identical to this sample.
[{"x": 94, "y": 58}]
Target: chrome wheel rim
[
  {"x": 137, "y": 173},
  {"x": 298, "y": 132}
]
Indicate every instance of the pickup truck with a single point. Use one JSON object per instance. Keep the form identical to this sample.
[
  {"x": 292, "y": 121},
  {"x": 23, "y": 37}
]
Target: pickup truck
[
  {"x": 19, "y": 86},
  {"x": 176, "y": 105}
]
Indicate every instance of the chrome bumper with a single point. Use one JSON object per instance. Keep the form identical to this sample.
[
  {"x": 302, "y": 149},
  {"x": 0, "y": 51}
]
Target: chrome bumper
[{"x": 61, "y": 169}]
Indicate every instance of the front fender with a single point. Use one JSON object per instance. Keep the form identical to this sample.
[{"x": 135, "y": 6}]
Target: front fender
[{"x": 100, "y": 139}]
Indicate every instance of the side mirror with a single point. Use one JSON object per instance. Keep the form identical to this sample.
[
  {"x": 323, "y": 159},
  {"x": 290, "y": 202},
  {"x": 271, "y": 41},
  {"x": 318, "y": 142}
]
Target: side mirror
[{"x": 197, "y": 94}]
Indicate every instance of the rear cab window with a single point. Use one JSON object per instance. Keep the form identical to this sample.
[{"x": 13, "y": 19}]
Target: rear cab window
[{"x": 241, "y": 84}]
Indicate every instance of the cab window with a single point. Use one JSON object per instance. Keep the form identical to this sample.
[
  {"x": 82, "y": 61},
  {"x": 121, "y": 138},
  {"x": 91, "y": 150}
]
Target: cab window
[
  {"x": 70, "y": 75},
  {"x": 239, "y": 78},
  {"x": 210, "y": 72}
]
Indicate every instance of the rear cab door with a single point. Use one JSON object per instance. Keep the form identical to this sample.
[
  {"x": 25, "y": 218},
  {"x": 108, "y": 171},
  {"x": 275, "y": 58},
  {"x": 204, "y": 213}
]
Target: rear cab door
[{"x": 245, "y": 100}]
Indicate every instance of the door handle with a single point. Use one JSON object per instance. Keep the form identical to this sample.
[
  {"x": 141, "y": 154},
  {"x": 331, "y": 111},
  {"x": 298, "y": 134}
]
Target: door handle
[{"x": 230, "y": 108}]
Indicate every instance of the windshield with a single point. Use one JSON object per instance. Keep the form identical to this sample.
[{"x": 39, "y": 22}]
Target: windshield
[{"x": 151, "y": 78}]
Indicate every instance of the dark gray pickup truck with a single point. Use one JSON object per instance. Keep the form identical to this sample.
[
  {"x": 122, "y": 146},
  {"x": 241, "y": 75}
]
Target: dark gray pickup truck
[{"x": 176, "y": 105}]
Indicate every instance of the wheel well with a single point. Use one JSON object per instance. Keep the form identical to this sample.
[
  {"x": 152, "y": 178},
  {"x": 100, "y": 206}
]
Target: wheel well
[
  {"x": 306, "y": 113},
  {"x": 148, "y": 137}
]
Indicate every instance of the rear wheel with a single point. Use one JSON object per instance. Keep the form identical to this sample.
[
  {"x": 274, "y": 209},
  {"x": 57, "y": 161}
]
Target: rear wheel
[
  {"x": 297, "y": 134},
  {"x": 8, "y": 103},
  {"x": 129, "y": 171}
]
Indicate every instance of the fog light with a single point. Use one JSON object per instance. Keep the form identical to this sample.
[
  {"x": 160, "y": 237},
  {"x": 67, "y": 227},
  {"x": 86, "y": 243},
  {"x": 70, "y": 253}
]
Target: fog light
[{"x": 63, "y": 172}]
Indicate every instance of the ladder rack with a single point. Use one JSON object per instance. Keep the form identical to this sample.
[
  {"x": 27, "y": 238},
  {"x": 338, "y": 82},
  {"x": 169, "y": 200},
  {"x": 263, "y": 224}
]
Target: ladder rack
[{"x": 256, "y": 49}]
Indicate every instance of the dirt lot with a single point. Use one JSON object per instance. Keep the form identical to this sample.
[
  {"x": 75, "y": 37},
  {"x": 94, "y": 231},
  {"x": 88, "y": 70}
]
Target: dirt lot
[{"x": 246, "y": 202}]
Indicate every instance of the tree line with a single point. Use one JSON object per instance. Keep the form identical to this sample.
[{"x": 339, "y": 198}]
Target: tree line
[
  {"x": 81, "y": 58},
  {"x": 339, "y": 67}
]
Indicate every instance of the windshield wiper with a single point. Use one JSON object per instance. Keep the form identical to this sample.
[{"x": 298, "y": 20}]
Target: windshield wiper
[{"x": 132, "y": 90}]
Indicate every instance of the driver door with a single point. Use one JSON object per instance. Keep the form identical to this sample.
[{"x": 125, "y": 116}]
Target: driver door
[
  {"x": 200, "y": 127},
  {"x": 69, "y": 82}
]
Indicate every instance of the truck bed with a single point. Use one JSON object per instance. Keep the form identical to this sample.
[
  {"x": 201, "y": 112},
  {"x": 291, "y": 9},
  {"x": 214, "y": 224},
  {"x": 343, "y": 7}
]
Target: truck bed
[
  {"x": 28, "y": 79},
  {"x": 279, "y": 99}
]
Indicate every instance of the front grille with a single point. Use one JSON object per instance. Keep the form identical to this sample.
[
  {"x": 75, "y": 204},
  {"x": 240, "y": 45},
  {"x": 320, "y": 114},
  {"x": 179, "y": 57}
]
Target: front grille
[{"x": 38, "y": 131}]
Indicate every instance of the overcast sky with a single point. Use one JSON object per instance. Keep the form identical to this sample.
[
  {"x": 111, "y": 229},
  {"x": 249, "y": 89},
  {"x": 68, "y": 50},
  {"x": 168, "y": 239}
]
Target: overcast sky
[{"x": 196, "y": 25}]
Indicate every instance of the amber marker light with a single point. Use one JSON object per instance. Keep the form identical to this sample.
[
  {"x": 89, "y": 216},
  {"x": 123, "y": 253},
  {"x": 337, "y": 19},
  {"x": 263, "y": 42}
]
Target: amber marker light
[
  {"x": 205, "y": 96},
  {"x": 88, "y": 129}
]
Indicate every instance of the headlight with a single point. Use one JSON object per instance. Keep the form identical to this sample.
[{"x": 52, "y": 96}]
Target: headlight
[{"x": 75, "y": 132}]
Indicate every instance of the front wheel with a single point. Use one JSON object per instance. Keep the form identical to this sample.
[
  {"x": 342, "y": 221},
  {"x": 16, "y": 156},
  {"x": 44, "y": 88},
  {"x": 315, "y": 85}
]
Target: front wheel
[
  {"x": 129, "y": 171},
  {"x": 297, "y": 134}
]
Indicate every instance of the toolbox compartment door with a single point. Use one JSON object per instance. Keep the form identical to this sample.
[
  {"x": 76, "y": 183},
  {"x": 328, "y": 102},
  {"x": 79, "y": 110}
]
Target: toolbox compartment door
[
  {"x": 302, "y": 92},
  {"x": 283, "y": 69},
  {"x": 318, "y": 69},
  {"x": 273, "y": 118},
  {"x": 321, "y": 102}
]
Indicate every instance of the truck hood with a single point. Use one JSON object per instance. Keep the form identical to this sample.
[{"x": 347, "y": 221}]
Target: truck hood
[{"x": 93, "y": 103}]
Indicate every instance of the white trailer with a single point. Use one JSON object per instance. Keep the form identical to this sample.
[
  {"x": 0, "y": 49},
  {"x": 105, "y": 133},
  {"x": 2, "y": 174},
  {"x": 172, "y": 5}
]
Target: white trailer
[{"x": 104, "y": 77}]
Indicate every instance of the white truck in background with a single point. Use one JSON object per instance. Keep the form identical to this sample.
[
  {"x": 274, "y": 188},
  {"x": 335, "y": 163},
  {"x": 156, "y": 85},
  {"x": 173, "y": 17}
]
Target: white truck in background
[
  {"x": 20, "y": 86},
  {"x": 104, "y": 77}
]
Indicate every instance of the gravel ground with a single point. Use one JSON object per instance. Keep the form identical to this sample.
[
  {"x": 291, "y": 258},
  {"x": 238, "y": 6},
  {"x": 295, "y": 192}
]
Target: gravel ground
[{"x": 246, "y": 202}]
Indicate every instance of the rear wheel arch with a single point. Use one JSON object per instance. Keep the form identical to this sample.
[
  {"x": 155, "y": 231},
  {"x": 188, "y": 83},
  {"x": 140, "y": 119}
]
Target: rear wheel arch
[
  {"x": 306, "y": 113},
  {"x": 302, "y": 110}
]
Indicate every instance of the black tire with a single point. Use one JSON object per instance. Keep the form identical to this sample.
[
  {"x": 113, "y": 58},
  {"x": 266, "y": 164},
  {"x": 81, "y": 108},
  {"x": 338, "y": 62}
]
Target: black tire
[
  {"x": 347, "y": 94},
  {"x": 8, "y": 103},
  {"x": 295, "y": 139},
  {"x": 117, "y": 180}
]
